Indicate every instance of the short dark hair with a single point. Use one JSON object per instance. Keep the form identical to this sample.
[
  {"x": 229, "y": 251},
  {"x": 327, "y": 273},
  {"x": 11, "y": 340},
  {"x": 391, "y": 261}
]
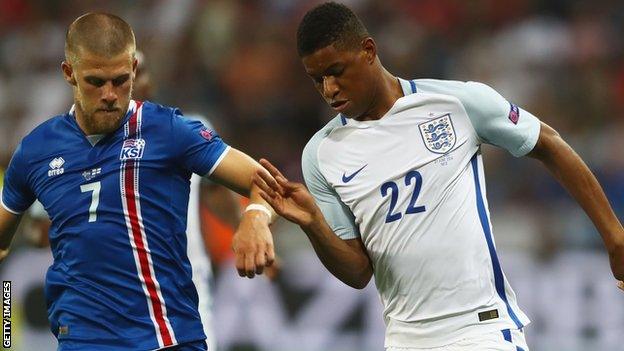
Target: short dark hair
[
  {"x": 99, "y": 33},
  {"x": 327, "y": 24}
]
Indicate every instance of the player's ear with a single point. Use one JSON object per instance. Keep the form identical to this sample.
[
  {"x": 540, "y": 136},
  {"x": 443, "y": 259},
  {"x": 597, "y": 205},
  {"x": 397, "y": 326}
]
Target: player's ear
[
  {"x": 68, "y": 73},
  {"x": 135, "y": 65},
  {"x": 369, "y": 48}
]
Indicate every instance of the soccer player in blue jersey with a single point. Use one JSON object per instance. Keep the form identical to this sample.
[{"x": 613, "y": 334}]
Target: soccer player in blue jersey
[
  {"x": 113, "y": 175},
  {"x": 398, "y": 181}
]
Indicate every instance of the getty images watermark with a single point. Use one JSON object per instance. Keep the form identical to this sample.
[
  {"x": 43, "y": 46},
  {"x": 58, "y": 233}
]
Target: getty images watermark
[{"x": 6, "y": 314}]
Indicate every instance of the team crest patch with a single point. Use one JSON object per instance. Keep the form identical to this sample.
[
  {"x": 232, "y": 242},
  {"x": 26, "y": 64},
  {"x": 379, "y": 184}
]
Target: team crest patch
[
  {"x": 132, "y": 149},
  {"x": 438, "y": 134},
  {"x": 514, "y": 113},
  {"x": 206, "y": 133}
]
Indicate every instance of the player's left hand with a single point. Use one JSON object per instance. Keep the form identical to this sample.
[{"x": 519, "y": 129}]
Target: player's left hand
[{"x": 253, "y": 244}]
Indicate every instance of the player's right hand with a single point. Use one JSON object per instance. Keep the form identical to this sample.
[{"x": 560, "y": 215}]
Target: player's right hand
[
  {"x": 620, "y": 285},
  {"x": 290, "y": 200}
]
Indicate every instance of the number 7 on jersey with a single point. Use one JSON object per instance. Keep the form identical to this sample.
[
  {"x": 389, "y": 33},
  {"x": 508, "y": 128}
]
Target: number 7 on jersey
[{"x": 95, "y": 198}]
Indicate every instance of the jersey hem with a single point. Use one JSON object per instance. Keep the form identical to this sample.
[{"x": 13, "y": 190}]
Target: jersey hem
[
  {"x": 227, "y": 149},
  {"x": 475, "y": 331},
  {"x": 348, "y": 237}
]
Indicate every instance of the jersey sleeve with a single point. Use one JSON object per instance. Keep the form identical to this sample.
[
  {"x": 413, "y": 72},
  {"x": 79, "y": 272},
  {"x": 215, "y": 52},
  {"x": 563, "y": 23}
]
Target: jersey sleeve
[
  {"x": 498, "y": 121},
  {"x": 336, "y": 213},
  {"x": 17, "y": 195},
  {"x": 199, "y": 147}
]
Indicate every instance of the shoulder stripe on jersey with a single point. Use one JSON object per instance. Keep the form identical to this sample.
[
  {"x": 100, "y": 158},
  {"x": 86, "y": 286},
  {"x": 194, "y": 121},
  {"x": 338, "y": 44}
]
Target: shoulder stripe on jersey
[
  {"x": 129, "y": 184},
  {"x": 499, "y": 279},
  {"x": 413, "y": 85}
]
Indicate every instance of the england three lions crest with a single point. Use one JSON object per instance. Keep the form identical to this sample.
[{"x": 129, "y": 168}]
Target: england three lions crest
[
  {"x": 438, "y": 134},
  {"x": 132, "y": 149}
]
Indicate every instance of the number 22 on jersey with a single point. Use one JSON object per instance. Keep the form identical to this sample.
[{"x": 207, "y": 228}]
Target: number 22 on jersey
[{"x": 392, "y": 188}]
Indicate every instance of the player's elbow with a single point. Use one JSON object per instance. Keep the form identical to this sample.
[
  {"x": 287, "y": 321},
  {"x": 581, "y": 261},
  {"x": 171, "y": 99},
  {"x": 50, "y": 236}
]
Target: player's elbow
[
  {"x": 618, "y": 273},
  {"x": 361, "y": 284},
  {"x": 361, "y": 280},
  {"x": 616, "y": 257}
]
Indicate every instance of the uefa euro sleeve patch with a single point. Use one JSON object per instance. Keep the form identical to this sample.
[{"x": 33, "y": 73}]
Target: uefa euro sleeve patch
[
  {"x": 206, "y": 133},
  {"x": 514, "y": 113}
]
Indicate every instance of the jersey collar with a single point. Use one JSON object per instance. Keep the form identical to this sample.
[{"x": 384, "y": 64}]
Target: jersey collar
[
  {"x": 72, "y": 114},
  {"x": 408, "y": 86},
  {"x": 131, "y": 107}
]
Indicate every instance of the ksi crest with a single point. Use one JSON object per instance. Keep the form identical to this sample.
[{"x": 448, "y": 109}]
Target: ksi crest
[
  {"x": 438, "y": 134},
  {"x": 132, "y": 149}
]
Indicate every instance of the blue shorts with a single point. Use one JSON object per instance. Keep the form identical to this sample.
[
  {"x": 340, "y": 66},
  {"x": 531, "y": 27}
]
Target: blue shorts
[{"x": 189, "y": 346}]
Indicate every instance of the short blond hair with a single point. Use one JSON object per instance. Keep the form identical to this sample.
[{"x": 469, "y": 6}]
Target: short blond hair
[{"x": 99, "y": 33}]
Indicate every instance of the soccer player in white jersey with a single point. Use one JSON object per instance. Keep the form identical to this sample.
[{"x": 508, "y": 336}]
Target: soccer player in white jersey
[{"x": 398, "y": 181}]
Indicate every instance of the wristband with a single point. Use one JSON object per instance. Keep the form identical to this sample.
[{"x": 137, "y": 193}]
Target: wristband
[{"x": 261, "y": 208}]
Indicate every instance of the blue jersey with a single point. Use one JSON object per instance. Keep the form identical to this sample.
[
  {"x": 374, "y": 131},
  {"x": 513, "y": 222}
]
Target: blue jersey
[{"x": 120, "y": 278}]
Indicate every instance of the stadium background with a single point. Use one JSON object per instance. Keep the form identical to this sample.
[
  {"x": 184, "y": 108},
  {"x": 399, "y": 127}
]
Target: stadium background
[{"x": 235, "y": 61}]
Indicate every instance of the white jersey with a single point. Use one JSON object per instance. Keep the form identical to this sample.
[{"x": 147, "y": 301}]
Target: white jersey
[
  {"x": 411, "y": 186},
  {"x": 196, "y": 251}
]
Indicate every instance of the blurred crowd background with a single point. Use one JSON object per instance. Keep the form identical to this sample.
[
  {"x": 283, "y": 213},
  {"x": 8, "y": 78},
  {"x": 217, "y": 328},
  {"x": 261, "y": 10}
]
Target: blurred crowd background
[{"x": 235, "y": 62}]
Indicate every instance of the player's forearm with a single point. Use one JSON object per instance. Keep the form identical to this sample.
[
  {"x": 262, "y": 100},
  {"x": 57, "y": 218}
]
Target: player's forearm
[
  {"x": 8, "y": 226},
  {"x": 255, "y": 198},
  {"x": 223, "y": 203},
  {"x": 348, "y": 263},
  {"x": 570, "y": 170}
]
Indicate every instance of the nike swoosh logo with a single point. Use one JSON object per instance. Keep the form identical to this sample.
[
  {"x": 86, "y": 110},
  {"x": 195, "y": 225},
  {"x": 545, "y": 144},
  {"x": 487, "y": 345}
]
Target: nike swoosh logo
[{"x": 346, "y": 179}]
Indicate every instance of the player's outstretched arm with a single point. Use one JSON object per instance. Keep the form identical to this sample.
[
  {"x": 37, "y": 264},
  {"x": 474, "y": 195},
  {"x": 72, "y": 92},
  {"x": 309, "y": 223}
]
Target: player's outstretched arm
[
  {"x": 345, "y": 259},
  {"x": 8, "y": 225},
  {"x": 570, "y": 170},
  {"x": 252, "y": 242}
]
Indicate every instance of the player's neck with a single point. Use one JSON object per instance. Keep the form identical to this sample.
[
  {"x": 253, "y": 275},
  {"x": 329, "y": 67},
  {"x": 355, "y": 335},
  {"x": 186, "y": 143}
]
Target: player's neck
[
  {"x": 80, "y": 120},
  {"x": 387, "y": 92}
]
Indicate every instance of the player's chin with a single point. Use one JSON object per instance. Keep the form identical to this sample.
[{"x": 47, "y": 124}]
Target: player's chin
[
  {"x": 351, "y": 113},
  {"x": 108, "y": 123}
]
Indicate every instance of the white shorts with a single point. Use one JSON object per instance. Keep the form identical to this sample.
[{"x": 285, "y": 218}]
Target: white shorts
[
  {"x": 201, "y": 278},
  {"x": 504, "y": 340}
]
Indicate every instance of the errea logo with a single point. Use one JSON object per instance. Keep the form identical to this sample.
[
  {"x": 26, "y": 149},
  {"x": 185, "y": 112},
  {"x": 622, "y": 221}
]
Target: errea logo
[{"x": 56, "y": 167}]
